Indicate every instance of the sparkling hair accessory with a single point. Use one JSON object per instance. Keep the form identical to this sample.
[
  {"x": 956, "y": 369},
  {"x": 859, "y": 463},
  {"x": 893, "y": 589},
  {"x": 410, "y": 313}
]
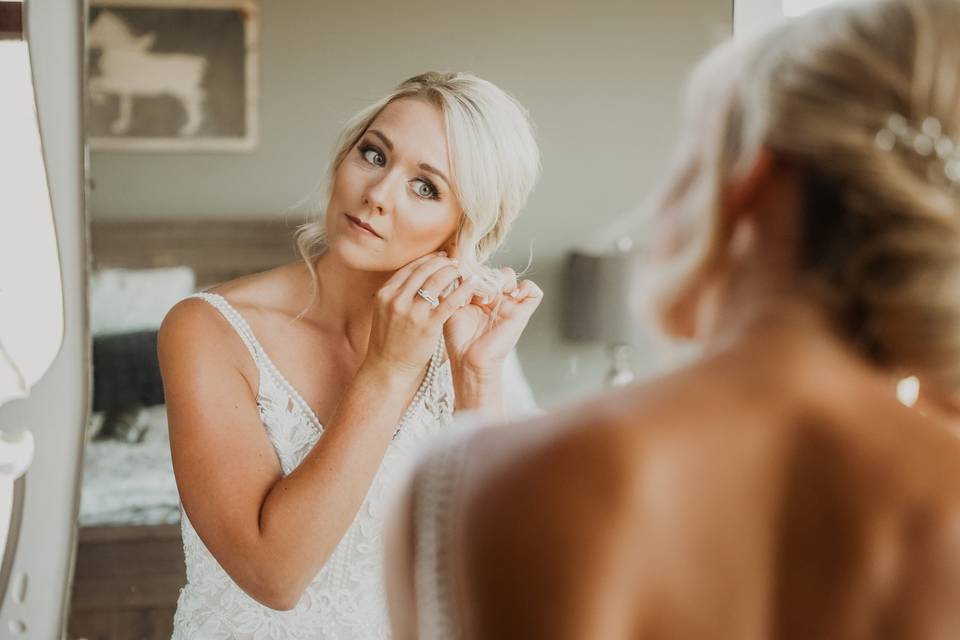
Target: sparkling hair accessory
[{"x": 929, "y": 142}]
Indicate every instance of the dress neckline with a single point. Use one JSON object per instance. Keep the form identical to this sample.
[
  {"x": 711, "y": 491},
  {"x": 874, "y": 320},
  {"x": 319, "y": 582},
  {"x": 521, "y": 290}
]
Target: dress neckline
[{"x": 288, "y": 387}]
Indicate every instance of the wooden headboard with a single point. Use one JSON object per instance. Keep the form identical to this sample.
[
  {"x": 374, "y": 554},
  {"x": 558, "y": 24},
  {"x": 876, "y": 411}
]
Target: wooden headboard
[{"x": 218, "y": 250}]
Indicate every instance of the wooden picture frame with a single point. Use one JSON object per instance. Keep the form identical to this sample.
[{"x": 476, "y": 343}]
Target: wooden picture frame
[{"x": 172, "y": 75}]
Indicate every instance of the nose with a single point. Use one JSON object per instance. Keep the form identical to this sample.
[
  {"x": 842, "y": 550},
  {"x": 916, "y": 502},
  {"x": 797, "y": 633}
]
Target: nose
[{"x": 378, "y": 194}]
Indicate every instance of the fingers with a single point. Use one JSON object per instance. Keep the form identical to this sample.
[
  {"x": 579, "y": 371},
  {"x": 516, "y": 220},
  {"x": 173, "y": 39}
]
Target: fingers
[
  {"x": 456, "y": 300},
  {"x": 403, "y": 273},
  {"x": 508, "y": 280},
  {"x": 433, "y": 276},
  {"x": 524, "y": 299},
  {"x": 508, "y": 284},
  {"x": 443, "y": 282},
  {"x": 527, "y": 289}
]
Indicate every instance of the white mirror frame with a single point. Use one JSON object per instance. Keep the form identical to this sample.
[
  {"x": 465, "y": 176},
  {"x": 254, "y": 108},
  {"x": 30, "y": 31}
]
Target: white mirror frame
[
  {"x": 42, "y": 433},
  {"x": 31, "y": 292}
]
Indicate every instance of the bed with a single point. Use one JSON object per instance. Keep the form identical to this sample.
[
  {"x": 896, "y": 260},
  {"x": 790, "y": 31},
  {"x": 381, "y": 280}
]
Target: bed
[
  {"x": 129, "y": 557},
  {"x": 130, "y": 483}
]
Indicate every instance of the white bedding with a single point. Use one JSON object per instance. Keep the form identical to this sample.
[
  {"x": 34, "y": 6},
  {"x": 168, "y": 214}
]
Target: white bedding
[{"x": 126, "y": 484}]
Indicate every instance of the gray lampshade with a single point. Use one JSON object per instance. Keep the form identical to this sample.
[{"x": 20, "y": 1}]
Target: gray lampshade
[{"x": 597, "y": 294}]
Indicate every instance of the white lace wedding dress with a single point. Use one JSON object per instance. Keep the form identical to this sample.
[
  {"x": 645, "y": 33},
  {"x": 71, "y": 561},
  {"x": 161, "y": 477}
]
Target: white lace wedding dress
[{"x": 347, "y": 598}]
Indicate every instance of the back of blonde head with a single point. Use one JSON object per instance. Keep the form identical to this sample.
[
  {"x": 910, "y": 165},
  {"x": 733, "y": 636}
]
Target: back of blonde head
[
  {"x": 494, "y": 159},
  {"x": 881, "y": 226}
]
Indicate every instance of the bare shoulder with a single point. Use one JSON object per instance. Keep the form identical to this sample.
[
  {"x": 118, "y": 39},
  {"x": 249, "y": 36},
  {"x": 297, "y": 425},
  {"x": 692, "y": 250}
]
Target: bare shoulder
[
  {"x": 278, "y": 288},
  {"x": 545, "y": 507},
  {"x": 193, "y": 327},
  {"x": 194, "y": 333},
  {"x": 540, "y": 481},
  {"x": 192, "y": 321}
]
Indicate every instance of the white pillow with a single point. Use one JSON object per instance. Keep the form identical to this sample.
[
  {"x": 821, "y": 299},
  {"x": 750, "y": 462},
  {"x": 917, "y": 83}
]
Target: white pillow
[{"x": 125, "y": 300}]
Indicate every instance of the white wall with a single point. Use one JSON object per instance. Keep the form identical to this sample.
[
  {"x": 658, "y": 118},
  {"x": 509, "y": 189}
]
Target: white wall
[
  {"x": 601, "y": 80},
  {"x": 56, "y": 409}
]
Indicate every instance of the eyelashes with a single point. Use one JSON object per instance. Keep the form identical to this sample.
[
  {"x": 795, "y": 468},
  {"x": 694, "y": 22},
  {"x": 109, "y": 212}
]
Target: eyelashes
[
  {"x": 430, "y": 191},
  {"x": 372, "y": 154},
  {"x": 422, "y": 187}
]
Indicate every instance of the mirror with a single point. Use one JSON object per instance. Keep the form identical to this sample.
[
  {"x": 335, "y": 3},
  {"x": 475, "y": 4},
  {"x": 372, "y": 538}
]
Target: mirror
[
  {"x": 180, "y": 201},
  {"x": 43, "y": 361},
  {"x": 29, "y": 339},
  {"x": 31, "y": 325}
]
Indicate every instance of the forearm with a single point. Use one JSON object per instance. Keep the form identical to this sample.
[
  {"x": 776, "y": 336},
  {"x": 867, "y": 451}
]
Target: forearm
[{"x": 306, "y": 513}]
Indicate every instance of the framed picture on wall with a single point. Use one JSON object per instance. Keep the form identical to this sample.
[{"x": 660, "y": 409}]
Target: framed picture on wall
[{"x": 172, "y": 75}]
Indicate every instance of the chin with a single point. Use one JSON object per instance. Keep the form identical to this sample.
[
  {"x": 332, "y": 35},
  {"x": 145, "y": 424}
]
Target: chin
[
  {"x": 360, "y": 258},
  {"x": 355, "y": 257}
]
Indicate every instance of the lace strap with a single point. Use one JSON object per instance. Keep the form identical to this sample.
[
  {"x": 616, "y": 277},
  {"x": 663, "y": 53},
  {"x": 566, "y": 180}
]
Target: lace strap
[
  {"x": 260, "y": 357},
  {"x": 434, "y": 501},
  {"x": 236, "y": 321}
]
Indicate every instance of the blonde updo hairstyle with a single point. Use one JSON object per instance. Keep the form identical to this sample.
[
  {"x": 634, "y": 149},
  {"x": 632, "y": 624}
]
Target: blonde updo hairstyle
[
  {"x": 880, "y": 243},
  {"x": 494, "y": 160}
]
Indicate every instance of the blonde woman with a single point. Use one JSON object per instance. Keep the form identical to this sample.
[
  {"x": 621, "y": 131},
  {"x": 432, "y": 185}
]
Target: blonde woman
[
  {"x": 293, "y": 394},
  {"x": 774, "y": 488}
]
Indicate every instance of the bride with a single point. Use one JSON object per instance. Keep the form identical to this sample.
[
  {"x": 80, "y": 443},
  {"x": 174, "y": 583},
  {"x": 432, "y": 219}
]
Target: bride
[
  {"x": 293, "y": 394},
  {"x": 774, "y": 487}
]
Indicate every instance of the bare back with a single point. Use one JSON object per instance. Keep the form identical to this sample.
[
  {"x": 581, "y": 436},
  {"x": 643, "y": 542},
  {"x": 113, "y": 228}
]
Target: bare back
[{"x": 791, "y": 498}]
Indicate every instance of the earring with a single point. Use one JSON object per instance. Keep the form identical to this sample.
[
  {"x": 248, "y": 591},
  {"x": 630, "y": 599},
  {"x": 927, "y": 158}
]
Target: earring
[{"x": 908, "y": 390}]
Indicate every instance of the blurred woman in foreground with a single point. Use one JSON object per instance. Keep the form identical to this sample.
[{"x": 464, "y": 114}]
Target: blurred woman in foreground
[{"x": 810, "y": 240}]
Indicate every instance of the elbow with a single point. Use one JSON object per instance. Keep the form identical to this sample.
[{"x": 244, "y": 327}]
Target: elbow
[
  {"x": 280, "y": 602},
  {"x": 279, "y": 590},
  {"x": 277, "y": 581},
  {"x": 277, "y": 596}
]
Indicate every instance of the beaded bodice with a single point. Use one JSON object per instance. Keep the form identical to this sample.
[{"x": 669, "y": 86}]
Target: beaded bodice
[{"x": 347, "y": 597}]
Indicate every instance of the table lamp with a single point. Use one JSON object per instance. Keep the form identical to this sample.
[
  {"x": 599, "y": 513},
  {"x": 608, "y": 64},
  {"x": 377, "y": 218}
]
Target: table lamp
[{"x": 599, "y": 305}]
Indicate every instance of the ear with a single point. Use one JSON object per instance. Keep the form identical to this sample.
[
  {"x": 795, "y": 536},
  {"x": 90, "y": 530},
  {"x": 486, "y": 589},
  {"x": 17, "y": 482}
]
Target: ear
[{"x": 744, "y": 192}]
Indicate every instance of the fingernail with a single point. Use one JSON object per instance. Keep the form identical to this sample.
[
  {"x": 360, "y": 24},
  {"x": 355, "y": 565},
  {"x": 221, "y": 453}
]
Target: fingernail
[{"x": 441, "y": 253}]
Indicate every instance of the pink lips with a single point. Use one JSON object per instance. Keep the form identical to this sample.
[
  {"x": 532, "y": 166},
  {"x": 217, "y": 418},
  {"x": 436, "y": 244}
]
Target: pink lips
[{"x": 363, "y": 225}]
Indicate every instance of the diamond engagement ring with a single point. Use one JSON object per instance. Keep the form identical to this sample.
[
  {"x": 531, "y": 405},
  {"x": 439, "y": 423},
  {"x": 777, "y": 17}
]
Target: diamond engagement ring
[{"x": 429, "y": 297}]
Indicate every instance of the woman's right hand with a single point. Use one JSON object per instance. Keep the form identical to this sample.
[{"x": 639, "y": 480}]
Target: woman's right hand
[{"x": 405, "y": 328}]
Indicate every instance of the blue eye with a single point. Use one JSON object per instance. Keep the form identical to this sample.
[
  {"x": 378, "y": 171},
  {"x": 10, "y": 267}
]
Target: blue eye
[
  {"x": 373, "y": 156},
  {"x": 424, "y": 189}
]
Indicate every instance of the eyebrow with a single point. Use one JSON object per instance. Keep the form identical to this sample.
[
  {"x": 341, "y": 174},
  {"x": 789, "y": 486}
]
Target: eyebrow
[
  {"x": 434, "y": 171},
  {"x": 383, "y": 138}
]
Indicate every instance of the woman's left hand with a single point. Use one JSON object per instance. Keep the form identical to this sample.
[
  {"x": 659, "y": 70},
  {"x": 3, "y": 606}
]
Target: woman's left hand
[{"x": 481, "y": 335}]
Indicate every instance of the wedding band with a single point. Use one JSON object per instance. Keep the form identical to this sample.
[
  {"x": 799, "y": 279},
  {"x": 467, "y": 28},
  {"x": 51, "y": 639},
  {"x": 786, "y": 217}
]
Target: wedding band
[{"x": 429, "y": 297}]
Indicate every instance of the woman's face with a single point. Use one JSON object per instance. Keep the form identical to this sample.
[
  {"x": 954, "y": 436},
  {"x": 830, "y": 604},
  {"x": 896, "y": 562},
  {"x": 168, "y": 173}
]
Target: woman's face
[{"x": 391, "y": 200}]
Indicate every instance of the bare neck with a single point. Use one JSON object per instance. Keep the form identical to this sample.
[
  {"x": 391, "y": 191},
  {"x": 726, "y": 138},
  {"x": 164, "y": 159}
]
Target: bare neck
[
  {"x": 344, "y": 302},
  {"x": 788, "y": 318}
]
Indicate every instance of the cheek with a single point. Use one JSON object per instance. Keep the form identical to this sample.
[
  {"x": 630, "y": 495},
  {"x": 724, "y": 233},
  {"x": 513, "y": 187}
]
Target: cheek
[
  {"x": 429, "y": 227},
  {"x": 345, "y": 182}
]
